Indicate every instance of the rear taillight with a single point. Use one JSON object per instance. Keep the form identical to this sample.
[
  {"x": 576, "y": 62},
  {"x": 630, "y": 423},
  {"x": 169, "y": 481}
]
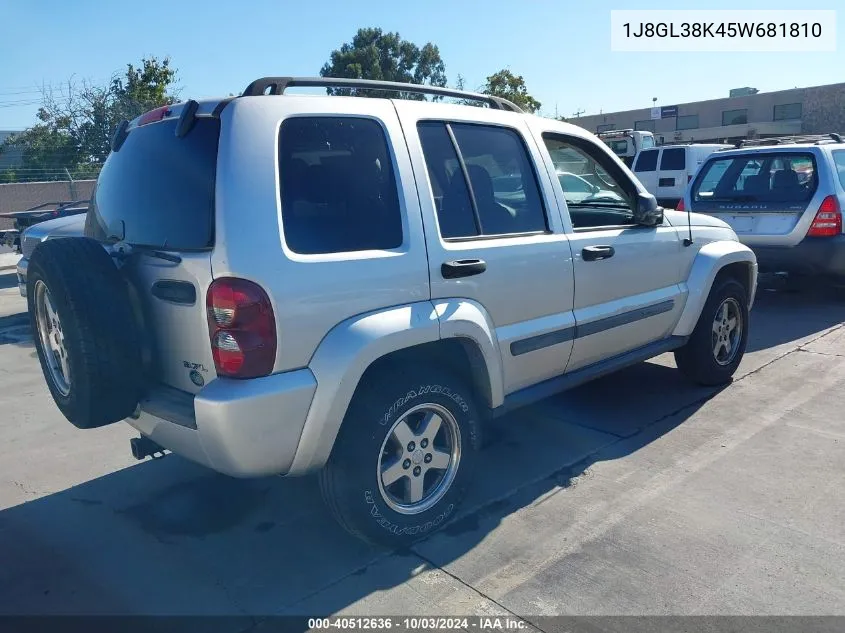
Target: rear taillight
[
  {"x": 242, "y": 328},
  {"x": 828, "y": 220},
  {"x": 680, "y": 206}
]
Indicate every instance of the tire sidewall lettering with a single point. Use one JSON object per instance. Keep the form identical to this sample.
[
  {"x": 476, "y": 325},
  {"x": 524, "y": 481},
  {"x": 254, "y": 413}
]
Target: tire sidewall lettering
[
  {"x": 400, "y": 530},
  {"x": 391, "y": 412}
]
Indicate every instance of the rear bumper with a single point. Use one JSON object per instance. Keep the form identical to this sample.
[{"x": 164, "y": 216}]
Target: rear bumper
[
  {"x": 811, "y": 256},
  {"x": 243, "y": 428}
]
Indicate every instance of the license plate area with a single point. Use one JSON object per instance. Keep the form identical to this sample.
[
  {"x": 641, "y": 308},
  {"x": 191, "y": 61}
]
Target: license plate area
[{"x": 741, "y": 223}]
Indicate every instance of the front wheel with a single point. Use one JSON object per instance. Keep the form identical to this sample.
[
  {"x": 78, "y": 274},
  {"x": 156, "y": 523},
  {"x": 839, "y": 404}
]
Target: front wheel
[
  {"x": 404, "y": 456},
  {"x": 717, "y": 344}
]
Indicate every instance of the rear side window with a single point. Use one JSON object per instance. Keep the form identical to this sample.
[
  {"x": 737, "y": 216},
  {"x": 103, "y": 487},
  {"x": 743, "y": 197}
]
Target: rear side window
[
  {"x": 158, "y": 189},
  {"x": 647, "y": 161},
  {"x": 502, "y": 196},
  {"x": 765, "y": 178},
  {"x": 673, "y": 159},
  {"x": 839, "y": 159},
  {"x": 338, "y": 187}
]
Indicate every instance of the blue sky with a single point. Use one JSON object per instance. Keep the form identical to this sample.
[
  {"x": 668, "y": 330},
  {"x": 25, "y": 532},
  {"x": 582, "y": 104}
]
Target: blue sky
[{"x": 561, "y": 48}]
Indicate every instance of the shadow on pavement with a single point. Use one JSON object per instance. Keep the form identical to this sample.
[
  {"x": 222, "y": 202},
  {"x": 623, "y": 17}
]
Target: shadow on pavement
[
  {"x": 782, "y": 315},
  {"x": 169, "y": 537},
  {"x": 8, "y": 279}
]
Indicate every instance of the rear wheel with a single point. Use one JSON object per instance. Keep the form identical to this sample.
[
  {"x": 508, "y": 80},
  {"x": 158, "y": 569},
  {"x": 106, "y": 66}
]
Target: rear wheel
[
  {"x": 404, "y": 456},
  {"x": 717, "y": 344}
]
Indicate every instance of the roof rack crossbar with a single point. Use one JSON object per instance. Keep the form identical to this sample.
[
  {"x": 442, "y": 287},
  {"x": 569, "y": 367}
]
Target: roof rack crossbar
[
  {"x": 792, "y": 139},
  {"x": 278, "y": 85}
]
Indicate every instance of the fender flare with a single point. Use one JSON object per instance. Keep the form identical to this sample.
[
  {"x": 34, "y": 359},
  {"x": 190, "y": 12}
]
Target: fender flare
[
  {"x": 353, "y": 345},
  {"x": 711, "y": 258},
  {"x": 467, "y": 319}
]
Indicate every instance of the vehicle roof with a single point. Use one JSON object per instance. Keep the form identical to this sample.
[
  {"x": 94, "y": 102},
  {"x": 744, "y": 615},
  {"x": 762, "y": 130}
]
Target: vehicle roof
[
  {"x": 777, "y": 149},
  {"x": 207, "y": 107},
  {"x": 692, "y": 146}
]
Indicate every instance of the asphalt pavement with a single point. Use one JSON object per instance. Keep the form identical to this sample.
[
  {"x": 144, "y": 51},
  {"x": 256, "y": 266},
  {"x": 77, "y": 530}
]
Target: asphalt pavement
[{"x": 635, "y": 494}]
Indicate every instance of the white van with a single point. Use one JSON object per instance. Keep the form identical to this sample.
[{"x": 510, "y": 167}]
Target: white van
[{"x": 665, "y": 171}]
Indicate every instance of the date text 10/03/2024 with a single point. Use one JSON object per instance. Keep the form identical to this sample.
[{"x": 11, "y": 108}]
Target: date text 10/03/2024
[
  {"x": 723, "y": 29},
  {"x": 404, "y": 623}
]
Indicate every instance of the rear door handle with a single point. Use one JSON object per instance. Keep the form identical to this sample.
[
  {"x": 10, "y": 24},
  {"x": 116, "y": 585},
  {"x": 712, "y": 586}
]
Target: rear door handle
[
  {"x": 462, "y": 268},
  {"x": 594, "y": 253}
]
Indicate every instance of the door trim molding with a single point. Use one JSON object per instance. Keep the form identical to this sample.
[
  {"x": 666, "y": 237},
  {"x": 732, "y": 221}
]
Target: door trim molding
[{"x": 547, "y": 339}]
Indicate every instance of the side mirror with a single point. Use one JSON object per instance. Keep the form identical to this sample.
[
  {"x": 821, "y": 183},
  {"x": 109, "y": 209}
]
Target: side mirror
[{"x": 647, "y": 212}]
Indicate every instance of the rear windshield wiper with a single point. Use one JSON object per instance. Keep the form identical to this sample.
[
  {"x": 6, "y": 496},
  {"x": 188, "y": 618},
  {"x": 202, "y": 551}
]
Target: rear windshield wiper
[
  {"x": 123, "y": 254},
  {"x": 165, "y": 256}
]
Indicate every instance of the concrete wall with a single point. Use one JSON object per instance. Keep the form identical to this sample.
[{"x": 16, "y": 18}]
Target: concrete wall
[
  {"x": 823, "y": 110},
  {"x": 23, "y": 195}
]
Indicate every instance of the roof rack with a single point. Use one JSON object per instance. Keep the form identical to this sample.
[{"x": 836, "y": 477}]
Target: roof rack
[
  {"x": 818, "y": 139},
  {"x": 614, "y": 132},
  {"x": 278, "y": 85}
]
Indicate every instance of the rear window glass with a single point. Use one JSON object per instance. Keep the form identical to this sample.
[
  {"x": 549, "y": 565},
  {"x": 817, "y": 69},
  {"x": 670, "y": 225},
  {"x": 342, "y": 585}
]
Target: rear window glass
[
  {"x": 768, "y": 177},
  {"x": 839, "y": 159},
  {"x": 158, "y": 190},
  {"x": 619, "y": 147},
  {"x": 338, "y": 187},
  {"x": 647, "y": 161},
  {"x": 673, "y": 159}
]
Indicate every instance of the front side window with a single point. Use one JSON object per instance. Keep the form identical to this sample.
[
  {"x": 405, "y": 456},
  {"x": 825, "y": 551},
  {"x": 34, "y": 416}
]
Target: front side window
[
  {"x": 648, "y": 141},
  {"x": 763, "y": 178},
  {"x": 596, "y": 191},
  {"x": 647, "y": 161},
  {"x": 734, "y": 117},
  {"x": 338, "y": 187},
  {"x": 673, "y": 159},
  {"x": 482, "y": 180}
]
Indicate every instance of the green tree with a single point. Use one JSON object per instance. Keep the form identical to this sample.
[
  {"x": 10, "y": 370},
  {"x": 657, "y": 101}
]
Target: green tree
[
  {"x": 76, "y": 123},
  {"x": 508, "y": 86},
  {"x": 374, "y": 54}
]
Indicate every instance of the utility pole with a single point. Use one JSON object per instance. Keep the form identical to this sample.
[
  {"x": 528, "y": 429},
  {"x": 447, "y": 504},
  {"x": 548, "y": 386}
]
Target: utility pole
[{"x": 578, "y": 113}]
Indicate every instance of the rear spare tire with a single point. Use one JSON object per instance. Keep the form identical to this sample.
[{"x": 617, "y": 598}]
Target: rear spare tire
[{"x": 84, "y": 330}]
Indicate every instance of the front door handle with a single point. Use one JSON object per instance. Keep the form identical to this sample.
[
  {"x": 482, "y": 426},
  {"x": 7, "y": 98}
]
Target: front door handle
[
  {"x": 462, "y": 268},
  {"x": 594, "y": 253}
]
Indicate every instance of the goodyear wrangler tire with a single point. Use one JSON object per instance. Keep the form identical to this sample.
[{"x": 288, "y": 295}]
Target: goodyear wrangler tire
[
  {"x": 84, "y": 330},
  {"x": 404, "y": 456}
]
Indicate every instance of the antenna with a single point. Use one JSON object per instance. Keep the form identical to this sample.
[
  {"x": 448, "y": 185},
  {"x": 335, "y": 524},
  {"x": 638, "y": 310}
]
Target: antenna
[{"x": 688, "y": 241}]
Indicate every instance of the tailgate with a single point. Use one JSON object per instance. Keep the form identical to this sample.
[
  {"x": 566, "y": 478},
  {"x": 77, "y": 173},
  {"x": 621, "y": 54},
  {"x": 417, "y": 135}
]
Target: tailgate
[{"x": 172, "y": 301}]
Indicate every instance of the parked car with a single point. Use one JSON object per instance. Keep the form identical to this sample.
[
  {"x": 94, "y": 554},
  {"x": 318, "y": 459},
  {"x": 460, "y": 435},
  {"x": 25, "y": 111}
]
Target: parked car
[
  {"x": 665, "y": 171},
  {"x": 276, "y": 284},
  {"x": 39, "y": 213},
  {"x": 784, "y": 200}
]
